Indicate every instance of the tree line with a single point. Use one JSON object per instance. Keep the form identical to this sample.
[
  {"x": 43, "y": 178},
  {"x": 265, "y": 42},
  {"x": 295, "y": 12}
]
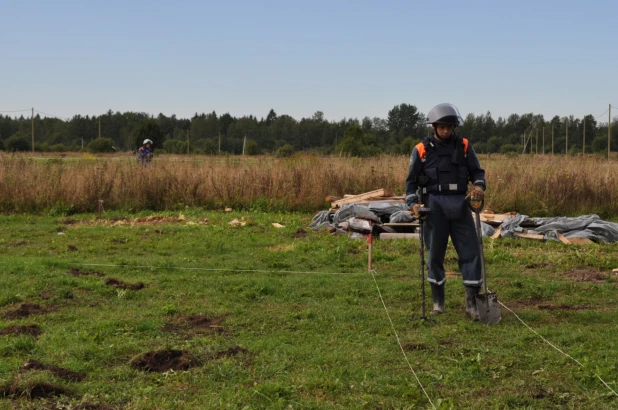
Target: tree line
[{"x": 283, "y": 135}]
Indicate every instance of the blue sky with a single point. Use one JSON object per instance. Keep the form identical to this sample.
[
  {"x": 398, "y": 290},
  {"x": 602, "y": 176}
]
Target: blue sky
[{"x": 345, "y": 58}]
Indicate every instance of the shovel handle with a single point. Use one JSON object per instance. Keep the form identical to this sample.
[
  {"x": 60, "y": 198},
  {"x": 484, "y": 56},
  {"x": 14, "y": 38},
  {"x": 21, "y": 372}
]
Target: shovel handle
[{"x": 475, "y": 208}]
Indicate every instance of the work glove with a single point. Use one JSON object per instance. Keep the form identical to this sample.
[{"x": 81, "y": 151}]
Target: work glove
[
  {"x": 477, "y": 194},
  {"x": 415, "y": 209}
]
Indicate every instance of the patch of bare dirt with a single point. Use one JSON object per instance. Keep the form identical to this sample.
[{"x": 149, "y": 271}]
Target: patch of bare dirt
[
  {"x": 543, "y": 304},
  {"x": 587, "y": 275},
  {"x": 45, "y": 295},
  {"x": 72, "y": 248},
  {"x": 525, "y": 303},
  {"x": 164, "y": 360},
  {"x": 300, "y": 233},
  {"x": 32, "y": 330},
  {"x": 60, "y": 372},
  {"x": 120, "y": 241},
  {"x": 408, "y": 347},
  {"x": 189, "y": 326},
  {"x": 119, "y": 219},
  {"x": 18, "y": 244},
  {"x": 151, "y": 220},
  {"x": 70, "y": 221},
  {"x": 91, "y": 406},
  {"x": 118, "y": 284},
  {"x": 562, "y": 307},
  {"x": 25, "y": 310},
  {"x": 34, "y": 391},
  {"x": 232, "y": 351},
  {"x": 79, "y": 272}
]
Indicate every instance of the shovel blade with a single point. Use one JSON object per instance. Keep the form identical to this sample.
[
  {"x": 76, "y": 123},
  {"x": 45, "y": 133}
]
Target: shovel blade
[{"x": 489, "y": 310}]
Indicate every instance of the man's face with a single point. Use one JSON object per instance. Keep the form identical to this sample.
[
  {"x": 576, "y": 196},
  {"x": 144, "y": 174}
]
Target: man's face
[
  {"x": 148, "y": 145},
  {"x": 444, "y": 131}
]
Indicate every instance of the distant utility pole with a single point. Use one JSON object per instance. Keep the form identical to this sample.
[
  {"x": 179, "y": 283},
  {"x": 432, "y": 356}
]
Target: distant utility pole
[
  {"x": 99, "y": 127},
  {"x": 567, "y": 136},
  {"x": 584, "y": 143},
  {"x": 244, "y": 143},
  {"x": 33, "y": 130},
  {"x": 609, "y": 127},
  {"x": 536, "y": 148}
]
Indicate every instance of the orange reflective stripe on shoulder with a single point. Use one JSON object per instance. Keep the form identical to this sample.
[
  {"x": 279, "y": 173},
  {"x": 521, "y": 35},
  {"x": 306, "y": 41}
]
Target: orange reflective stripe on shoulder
[
  {"x": 465, "y": 142},
  {"x": 420, "y": 147}
]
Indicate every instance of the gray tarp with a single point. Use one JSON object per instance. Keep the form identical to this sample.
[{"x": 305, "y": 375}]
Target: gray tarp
[
  {"x": 401, "y": 217},
  {"x": 585, "y": 226},
  {"x": 387, "y": 208},
  {"x": 353, "y": 211}
]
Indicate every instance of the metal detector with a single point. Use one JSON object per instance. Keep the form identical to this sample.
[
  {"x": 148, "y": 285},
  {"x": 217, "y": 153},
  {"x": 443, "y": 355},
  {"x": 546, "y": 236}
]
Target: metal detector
[
  {"x": 486, "y": 303},
  {"x": 423, "y": 211}
]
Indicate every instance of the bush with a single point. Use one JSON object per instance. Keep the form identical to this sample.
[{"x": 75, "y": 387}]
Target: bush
[
  {"x": 58, "y": 148},
  {"x": 285, "y": 151},
  {"x": 101, "y": 145},
  {"x": 18, "y": 143},
  {"x": 148, "y": 129},
  {"x": 509, "y": 148},
  {"x": 358, "y": 143},
  {"x": 251, "y": 148},
  {"x": 175, "y": 146}
]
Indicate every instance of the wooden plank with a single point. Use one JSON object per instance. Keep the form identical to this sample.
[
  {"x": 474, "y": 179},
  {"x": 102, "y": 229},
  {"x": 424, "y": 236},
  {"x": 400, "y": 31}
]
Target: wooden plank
[
  {"x": 496, "y": 234},
  {"x": 487, "y": 217},
  {"x": 389, "y": 236},
  {"x": 360, "y": 197},
  {"x": 580, "y": 241},
  {"x": 563, "y": 239},
  {"x": 536, "y": 236},
  {"x": 411, "y": 224}
]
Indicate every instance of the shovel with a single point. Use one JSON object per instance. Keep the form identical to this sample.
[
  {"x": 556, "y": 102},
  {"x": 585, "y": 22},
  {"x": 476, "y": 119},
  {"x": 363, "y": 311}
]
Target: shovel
[{"x": 486, "y": 303}]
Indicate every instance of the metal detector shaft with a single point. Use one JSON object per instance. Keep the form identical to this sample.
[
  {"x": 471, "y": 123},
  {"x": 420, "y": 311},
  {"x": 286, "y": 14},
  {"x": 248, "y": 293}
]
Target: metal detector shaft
[{"x": 422, "y": 254}]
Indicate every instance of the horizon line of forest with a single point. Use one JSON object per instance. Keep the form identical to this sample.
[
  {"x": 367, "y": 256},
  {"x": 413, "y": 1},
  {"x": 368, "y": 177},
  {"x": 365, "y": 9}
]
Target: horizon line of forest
[{"x": 283, "y": 135}]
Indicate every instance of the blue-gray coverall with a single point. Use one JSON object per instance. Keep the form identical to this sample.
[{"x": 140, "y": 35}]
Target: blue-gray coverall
[{"x": 449, "y": 168}]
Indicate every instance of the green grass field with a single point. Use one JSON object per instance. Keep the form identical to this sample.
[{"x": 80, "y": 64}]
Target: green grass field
[{"x": 280, "y": 318}]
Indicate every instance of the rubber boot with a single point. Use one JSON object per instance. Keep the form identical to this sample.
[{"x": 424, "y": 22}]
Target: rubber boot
[
  {"x": 471, "y": 309},
  {"x": 437, "y": 293}
]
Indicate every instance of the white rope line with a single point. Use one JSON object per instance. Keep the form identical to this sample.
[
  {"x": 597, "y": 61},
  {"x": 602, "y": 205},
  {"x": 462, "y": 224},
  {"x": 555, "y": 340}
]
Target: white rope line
[
  {"x": 555, "y": 347},
  {"x": 214, "y": 269},
  {"x": 399, "y": 341}
]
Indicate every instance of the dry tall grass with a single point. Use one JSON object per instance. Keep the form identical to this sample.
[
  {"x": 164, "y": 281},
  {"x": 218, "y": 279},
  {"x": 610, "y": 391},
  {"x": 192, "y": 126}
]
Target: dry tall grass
[{"x": 534, "y": 185}]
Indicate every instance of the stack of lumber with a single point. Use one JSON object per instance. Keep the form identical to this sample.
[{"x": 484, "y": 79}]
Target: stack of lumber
[{"x": 381, "y": 195}]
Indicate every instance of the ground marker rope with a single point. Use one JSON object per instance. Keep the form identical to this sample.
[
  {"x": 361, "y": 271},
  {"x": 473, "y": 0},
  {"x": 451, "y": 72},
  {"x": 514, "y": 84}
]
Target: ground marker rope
[
  {"x": 555, "y": 347},
  {"x": 398, "y": 341}
]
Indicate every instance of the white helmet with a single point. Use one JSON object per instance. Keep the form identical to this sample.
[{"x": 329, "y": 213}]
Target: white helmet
[
  {"x": 147, "y": 142},
  {"x": 445, "y": 114}
]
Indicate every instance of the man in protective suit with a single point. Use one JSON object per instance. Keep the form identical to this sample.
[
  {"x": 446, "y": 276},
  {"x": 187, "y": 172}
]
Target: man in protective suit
[
  {"x": 449, "y": 163},
  {"x": 145, "y": 154}
]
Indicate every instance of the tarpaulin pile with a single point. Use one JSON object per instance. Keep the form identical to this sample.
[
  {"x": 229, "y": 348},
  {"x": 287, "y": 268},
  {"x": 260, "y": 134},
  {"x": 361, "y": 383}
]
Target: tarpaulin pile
[
  {"x": 374, "y": 211},
  {"x": 362, "y": 214},
  {"x": 590, "y": 228}
]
